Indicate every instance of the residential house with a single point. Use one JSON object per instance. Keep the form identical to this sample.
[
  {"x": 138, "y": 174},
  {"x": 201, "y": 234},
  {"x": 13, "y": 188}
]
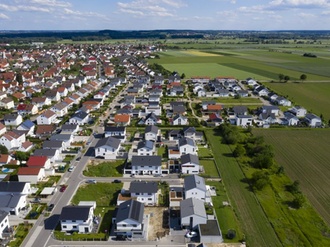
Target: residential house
[
  {"x": 267, "y": 118},
  {"x": 270, "y": 109},
  {"x": 195, "y": 187},
  {"x": 150, "y": 119},
  {"x": 146, "y": 165},
  {"x": 117, "y": 132},
  {"x": 191, "y": 132},
  {"x": 69, "y": 128},
  {"x": 3, "y": 129},
  {"x": 39, "y": 161},
  {"x": 144, "y": 192},
  {"x": 298, "y": 111},
  {"x": 4, "y": 223},
  {"x": 214, "y": 119},
  {"x": 290, "y": 119},
  {"x": 153, "y": 107},
  {"x": 151, "y": 133},
  {"x": 244, "y": 120},
  {"x": 261, "y": 91},
  {"x": 58, "y": 145},
  {"x": 192, "y": 212},
  {"x": 5, "y": 159},
  {"x": 32, "y": 175},
  {"x": 240, "y": 110},
  {"x": 312, "y": 120},
  {"x": 47, "y": 117},
  {"x": 41, "y": 101},
  {"x": 27, "y": 126},
  {"x": 189, "y": 164},
  {"x": 45, "y": 130},
  {"x": 7, "y": 103},
  {"x": 77, "y": 219},
  {"x": 79, "y": 118},
  {"x": 63, "y": 137},
  {"x": 179, "y": 120},
  {"x": 128, "y": 219},
  {"x": 282, "y": 101},
  {"x": 12, "y": 119},
  {"x": 210, "y": 232},
  {"x": 26, "y": 109},
  {"x": 52, "y": 154},
  {"x": 145, "y": 147},
  {"x": 122, "y": 119},
  {"x": 187, "y": 146},
  {"x": 13, "y": 139},
  {"x": 61, "y": 109},
  {"x": 107, "y": 148}
]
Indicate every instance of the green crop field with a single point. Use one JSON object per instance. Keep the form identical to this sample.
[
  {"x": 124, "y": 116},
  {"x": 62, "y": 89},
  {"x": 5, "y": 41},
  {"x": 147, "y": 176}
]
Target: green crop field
[
  {"x": 305, "y": 156},
  {"x": 257, "y": 229},
  {"x": 260, "y": 62},
  {"x": 314, "y": 96}
]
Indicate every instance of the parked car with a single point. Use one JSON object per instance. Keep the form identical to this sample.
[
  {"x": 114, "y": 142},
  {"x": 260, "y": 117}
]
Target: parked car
[
  {"x": 79, "y": 158},
  {"x": 63, "y": 188},
  {"x": 91, "y": 181},
  {"x": 117, "y": 181},
  {"x": 71, "y": 168},
  {"x": 36, "y": 200},
  {"x": 50, "y": 207}
]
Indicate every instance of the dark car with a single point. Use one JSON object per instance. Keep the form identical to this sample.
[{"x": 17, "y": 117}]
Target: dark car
[
  {"x": 63, "y": 188},
  {"x": 50, "y": 207},
  {"x": 116, "y": 181},
  {"x": 79, "y": 158}
]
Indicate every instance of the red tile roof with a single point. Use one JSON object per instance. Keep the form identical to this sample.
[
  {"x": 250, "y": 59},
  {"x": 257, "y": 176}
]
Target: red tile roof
[
  {"x": 28, "y": 170},
  {"x": 37, "y": 161}
]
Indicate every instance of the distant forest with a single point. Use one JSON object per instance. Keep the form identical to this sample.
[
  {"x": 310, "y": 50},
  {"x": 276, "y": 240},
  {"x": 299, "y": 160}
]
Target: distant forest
[{"x": 53, "y": 36}]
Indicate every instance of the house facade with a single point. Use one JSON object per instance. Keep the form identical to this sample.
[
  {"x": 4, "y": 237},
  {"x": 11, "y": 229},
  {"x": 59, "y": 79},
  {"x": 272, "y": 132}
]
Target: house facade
[
  {"x": 107, "y": 148},
  {"x": 77, "y": 219},
  {"x": 192, "y": 213},
  {"x": 146, "y": 165},
  {"x": 144, "y": 192}
]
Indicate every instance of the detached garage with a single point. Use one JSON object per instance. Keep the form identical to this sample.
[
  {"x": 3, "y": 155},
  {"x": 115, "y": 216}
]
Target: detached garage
[
  {"x": 210, "y": 232},
  {"x": 31, "y": 174}
]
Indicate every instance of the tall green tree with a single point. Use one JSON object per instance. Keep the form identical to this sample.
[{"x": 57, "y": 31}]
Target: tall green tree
[
  {"x": 286, "y": 78},
  {"x": 281, "y": 77},
  {"x": 303, "y": 77}
]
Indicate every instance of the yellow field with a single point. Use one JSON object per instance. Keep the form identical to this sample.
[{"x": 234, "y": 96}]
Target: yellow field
[{"x": 200, "y": 53}]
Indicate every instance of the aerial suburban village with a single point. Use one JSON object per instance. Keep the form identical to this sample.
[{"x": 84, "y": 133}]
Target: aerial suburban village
[{"x": 99, "y": 146}]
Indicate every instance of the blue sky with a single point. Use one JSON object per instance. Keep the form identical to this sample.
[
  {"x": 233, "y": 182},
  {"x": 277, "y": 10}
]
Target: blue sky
[{"x": 164, "y": 14}]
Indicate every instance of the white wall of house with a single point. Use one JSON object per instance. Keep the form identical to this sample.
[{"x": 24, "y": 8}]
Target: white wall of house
[
  {"x": 3, "y": 225},
  {"x": 190, "y": 168},
  {"x": 148, "y": 199},
  {"x": 33, "y": 179},
  {"x": 196, "y": 220},
  {"x": 145, "y": 151},
  {"x": 196, "y": 193},
  {"x": 128, "y": 225},
  {"x": 245, "y": 121},
  {"x": 150, "y": 136},
  {"x": 146, "y": 170},
  {"x": 106, "y": 152},
  {"x": 188, "y": 149}
]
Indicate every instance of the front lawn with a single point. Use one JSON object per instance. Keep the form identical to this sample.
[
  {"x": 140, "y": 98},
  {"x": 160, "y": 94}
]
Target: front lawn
[
  {"x": 21, "y": 232},
  {"x": 105, "y": 169},
  {"x": 204, "y": 152},
  {"x": 210, "y": 169}
]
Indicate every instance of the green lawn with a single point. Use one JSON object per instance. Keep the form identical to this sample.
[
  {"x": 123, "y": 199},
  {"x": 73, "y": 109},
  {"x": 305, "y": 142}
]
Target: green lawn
[
  {"x": 21, "y": 232},
  {"x": 204, "y": 152},
  {"x": 105, "y": 169},
  {"x": 209, "y": 168},
  {"x": 255, "y": 225},
  {"x": 314, "y": 96}
]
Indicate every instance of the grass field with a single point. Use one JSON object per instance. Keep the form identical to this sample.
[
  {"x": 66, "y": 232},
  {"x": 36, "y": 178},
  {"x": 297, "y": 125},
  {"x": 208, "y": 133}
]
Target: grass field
[
  {"x": 209, "y": 168},
  {"x": 314, "y": 96},
  {"x": 305, "y": 156},
  {"x": 256, "y": 227},
  {"x": 262, "y": 62},
  {"x": 105, "y": 169}
]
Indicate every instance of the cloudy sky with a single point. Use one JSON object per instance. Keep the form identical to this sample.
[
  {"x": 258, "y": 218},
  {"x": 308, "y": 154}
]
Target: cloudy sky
[{"x": 164, "y": 14}]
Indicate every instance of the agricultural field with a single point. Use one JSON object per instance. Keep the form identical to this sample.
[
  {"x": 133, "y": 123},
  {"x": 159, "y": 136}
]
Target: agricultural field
[
  {"x": 314, "y": 96},
  {"x": 256, "y": 227},
  {"x": 259, "y": 62},
  {"x": 305, "y": 156}
]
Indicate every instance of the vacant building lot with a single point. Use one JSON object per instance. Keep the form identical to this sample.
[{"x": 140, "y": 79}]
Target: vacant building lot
[{"x": 158, "y": 222}]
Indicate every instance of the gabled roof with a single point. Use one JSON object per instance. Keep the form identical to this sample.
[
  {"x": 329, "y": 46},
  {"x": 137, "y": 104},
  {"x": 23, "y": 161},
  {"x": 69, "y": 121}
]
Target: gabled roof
[
  {"x": 28, "y": 124},
  {"x": 75, "y": 213},
  {"x": 109, "y": 141},
  {"x": 45, "y": 152},
  {"x": 108, "y": 128},
  {"x": 145, "y": 144},
  {"x": 37, "y": 161},
  {"x": 194, "y": 181},
  {"x": 189, "y": 158},
  {"x": 28, "y": 170},
  {"x": 192, "y": 206},
  {"x": 146, "y": 160},
  {"x": 186, "y": 141},
  {"x": 80, "y": 115},
  {"x": 130, "y": 209},
  {"x": 52, "y": 144},
  {"x": 143, "y": 187},
  {"x": 3, "y": 215},
  {"x": 122, "y": 118},
  {"x": 12, "y": 186},
  {"x": 151, "y": 128}
]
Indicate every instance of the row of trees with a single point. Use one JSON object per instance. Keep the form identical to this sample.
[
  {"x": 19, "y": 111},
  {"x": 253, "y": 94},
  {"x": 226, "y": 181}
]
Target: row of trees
[{"x": 286, "y": 78}]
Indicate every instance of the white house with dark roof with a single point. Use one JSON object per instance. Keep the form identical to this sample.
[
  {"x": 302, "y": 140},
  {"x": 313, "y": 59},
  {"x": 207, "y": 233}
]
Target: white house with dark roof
[
  {"x": 179, "y": 120},
  {"x": 118, "y": 132},
  {"x": 312, "y": 120},
  {"x": 187, "y": 146},
  {"x": 192, "y": 211},
  {"x": 107, "y": 148},
  {"x": 128, "y": 219},
  {"x": 244, "y": 120},
  {"x": 77, "y": 219},
  {"x": 27, "y": 126},
  {"x": 195, "y": 187},
  {"x": 290, "y": 119},
  {"x": 191, "y": 132},
  {"x": 298, "y": 111},
  {"x": 79, "y": 118},
  {"x": 12, "y": 119},
  {"x": 69, "y": 128},
  {"x": 144, "y": 192},
  {"x": 52, "y": 154},
  {"x": 146, "y": 147},
  {"x": 189, "y": 164},
  {"x": 4, "y": 223},
  {"x": 151, "y": 133},
  {"x": 146, "y": 165}
]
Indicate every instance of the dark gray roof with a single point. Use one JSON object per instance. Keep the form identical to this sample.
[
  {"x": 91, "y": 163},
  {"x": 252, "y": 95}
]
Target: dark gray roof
[
  {"x": 80, "y": 115},
  {"x": 145, "y": 144},
  {"x": 130, "y": 210},
  {"x": 192, "y": 206},
  {"x": 194, "y": 181},
  {"x": 109, "y": 141},
  {"x": 211, "y": 228},
  {"x": 151, "y": 128},
  {"x": 45, "y": 152},
  {"x": 11, "y": 187},
  {"x": 312, "y": 116},
  {"x": 179, "y": 109},
  {"x": 52, "y": 144},
  {"x": 60, "y": 137},
  {"x": 240, "y": 109},
  {"x": 69, "y": 127},
  {"x": 143, "y": 187},
  {"x": 289, "y": 115},
  {"x": 187, "y": 130},
  {"x": 152, "y": 116},
  {"x": 146, "y": 160},
  {"x": 108, "y": 128},
  {"x": 177, "y": 103},
  {"x": 185, "y": 140},
  {"x": 10, "y": 117},
  {"x": 3, "y": 215},
  {"x": 75, "y": 213},
  {"x": 10, "y": 200},
  {"x": 189, "y": 158}
]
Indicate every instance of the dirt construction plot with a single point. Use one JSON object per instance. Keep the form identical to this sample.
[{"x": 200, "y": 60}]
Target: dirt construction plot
[{"x": 158, "y": 222}]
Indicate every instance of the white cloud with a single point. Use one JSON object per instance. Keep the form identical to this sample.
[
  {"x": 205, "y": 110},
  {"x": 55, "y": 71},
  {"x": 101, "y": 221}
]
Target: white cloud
[
  {"x": 12, "y": 8},
  {"x": 51, "y": 3},
  {"x": 284, "y": 4},
  {"x": 305, "y": 15},
  {"x": 3, "y": 16},
  {"x": 83, "y": 15}
]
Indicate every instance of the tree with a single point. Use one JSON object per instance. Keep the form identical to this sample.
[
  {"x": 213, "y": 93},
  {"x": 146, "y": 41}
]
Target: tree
[
  {"x": 286, "y": 78},
  {"x": 294, "y": 187},
  {"x": 3, "y": 150},
  {"x": 281, "y": 77},
  {"x": 303, "y": 77},
  {"x": 298, "y": 201},
  {"x": 231, "y": 234},
  {"x": 239, "y": 151},
  {"x": 259, "y": 180},
  {"x": 183, "y": 76},
  {"x": 22, "y": 156}
]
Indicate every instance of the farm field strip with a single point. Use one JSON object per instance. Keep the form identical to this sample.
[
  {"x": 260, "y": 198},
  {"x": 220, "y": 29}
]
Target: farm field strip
[
  {"x": 305, "y": 160},
  {"x": 256, "y": 226}
]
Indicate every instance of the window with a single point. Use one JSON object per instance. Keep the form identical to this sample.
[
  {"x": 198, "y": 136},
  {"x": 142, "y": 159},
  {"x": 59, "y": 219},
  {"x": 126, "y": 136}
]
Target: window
[
  {"x": 149, "y": 194},
  {"x": 134, "y": 225},
  {"x": 73, "y": 221},
  {"x": 137, "y": 194},
  {"x": 64, "y": 227},
  {"x": 74, "y": 227},
  {"x": 149, "y": 199},
  {"x": 124, "y": 225}
]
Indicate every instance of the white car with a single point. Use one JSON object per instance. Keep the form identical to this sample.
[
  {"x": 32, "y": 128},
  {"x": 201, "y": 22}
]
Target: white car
[
  {"x": 191, "y": 234},
  {"x": 71, "y": 168}
]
